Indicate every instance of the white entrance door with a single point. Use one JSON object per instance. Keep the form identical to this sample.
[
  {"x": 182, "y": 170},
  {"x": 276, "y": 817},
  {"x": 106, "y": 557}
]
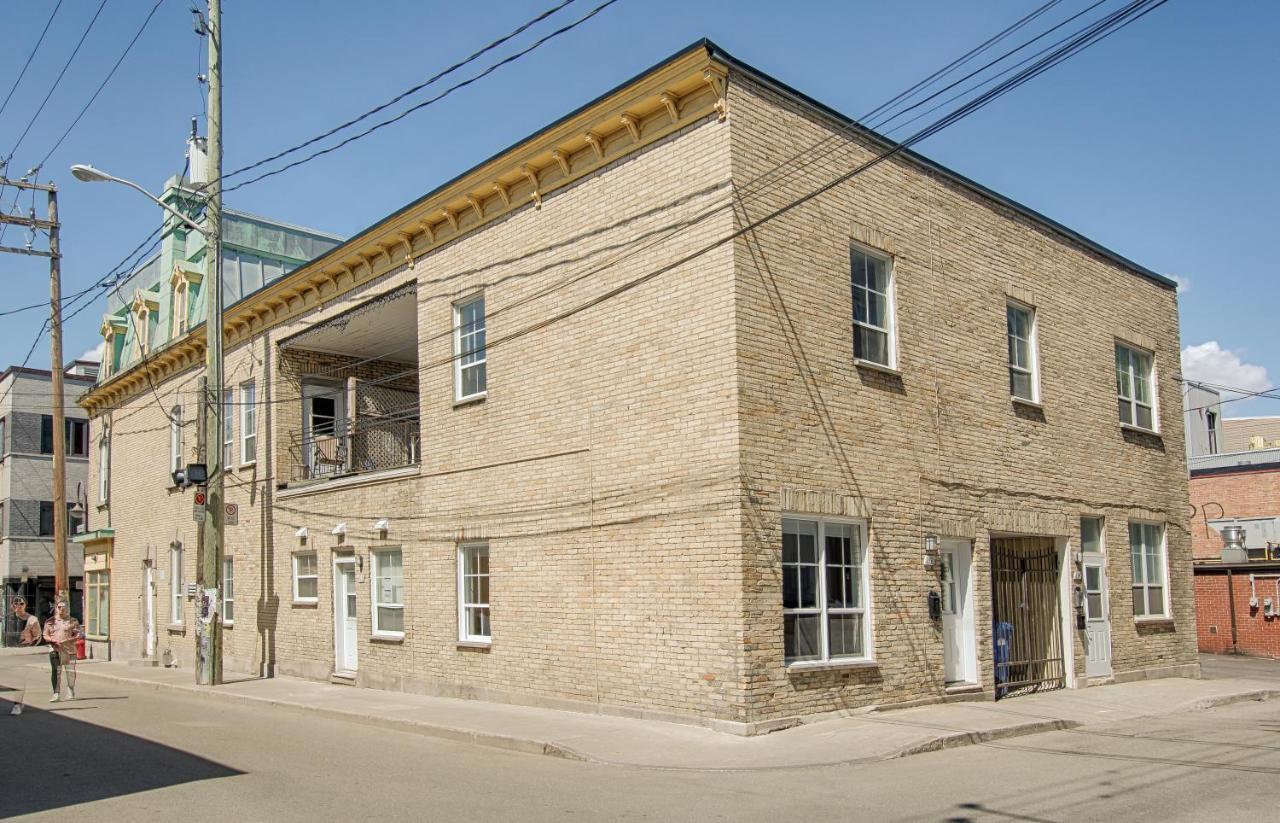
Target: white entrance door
[
  {"x": 959, "y": 646},
  {"x": 148, "y": 609},
  {"x": 344, "y": 611},
  {"x": 1097, "y": 626}
]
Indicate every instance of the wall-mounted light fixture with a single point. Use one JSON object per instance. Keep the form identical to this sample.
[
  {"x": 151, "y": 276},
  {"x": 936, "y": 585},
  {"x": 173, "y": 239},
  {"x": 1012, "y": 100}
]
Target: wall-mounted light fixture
[
  {"x": 930, "y": 550},
  {"x": 339, "y": 531},
  {"x": 301, "y": 534},
  {"x": 382, "y": 526}
]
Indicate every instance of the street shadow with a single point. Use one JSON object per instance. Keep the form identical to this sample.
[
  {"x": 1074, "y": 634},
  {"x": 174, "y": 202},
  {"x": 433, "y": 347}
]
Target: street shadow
[{"x": 66, "y": 762}]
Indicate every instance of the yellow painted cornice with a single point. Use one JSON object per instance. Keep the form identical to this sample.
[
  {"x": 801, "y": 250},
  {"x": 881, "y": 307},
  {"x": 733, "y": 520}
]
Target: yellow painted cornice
[{"x": 682, "y": 91}]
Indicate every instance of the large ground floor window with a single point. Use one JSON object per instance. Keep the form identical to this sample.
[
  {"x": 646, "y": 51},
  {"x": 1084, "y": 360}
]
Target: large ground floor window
[
  {"x": 824, "y": 591},
  {"x": 97, "y": 595}
]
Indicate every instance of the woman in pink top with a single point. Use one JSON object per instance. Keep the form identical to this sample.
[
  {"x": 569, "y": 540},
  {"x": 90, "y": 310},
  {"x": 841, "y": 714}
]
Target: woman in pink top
[{"x": 61, "y": 632}]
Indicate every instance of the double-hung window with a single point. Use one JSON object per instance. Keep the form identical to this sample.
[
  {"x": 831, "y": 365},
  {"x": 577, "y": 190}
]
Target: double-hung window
[
  {"x": 248, "y": 423},
  {"x": 228, "y": 591},
  {"x": 46, "y": 434},
  {"x": 175, "y": 584},
  {"x": 473, "y": 593},
  {"x": 388, "y": 593},
  {"x": 824, "y": 591},
  {"x": 1024, "y": 383},
  {"x": 873, "y": 326},
  {"x": 305, "y": 578},
  {"x": 228, "y": 428},
  {"x": 46, "y": 518},
  {"x": 469, "y": 348},
  {"x": 1135, "y": 387},
  {"x": 175, "y": 439},
  {"x": 1147, "y": 554},
  {"x": 77, "y": 433}
]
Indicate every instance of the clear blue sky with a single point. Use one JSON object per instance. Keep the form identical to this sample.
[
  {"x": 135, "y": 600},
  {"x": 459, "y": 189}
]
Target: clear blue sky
[{"x": 1158, "y": 143}]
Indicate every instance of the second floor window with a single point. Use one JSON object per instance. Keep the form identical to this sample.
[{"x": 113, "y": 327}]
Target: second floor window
[
  {"x": 1135, "y": 387},
  {"x": 872, "y": 284},
  {"x": 175, "y": 439},
  {"x": 75, "y": 434},
  {"x": 469, "y": 348},
  {"x": 1021, "y": 322},
  {"x": 104, "y": 467},
  {"x": 46, "y": 518},
  {"x": 228, "y": 428},
  {"x": 248, "y": 422}
]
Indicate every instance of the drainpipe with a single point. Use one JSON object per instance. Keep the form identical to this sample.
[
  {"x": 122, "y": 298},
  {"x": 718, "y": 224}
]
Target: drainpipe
[{"x": 1231, "y": 602}]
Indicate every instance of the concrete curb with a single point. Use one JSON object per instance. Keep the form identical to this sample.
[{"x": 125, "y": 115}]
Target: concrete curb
[
  {"x": 529, "y": 745},
  {"x": 493, "y": 740}
]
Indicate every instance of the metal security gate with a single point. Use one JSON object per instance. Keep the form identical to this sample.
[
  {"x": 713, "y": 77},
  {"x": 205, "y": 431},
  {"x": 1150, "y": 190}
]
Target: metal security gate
[{"x": 1027, "y": 621}]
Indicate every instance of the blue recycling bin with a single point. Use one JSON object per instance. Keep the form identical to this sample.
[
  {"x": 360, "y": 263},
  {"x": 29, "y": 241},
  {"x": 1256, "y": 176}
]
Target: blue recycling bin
[{"x": 1003, "y": 645}]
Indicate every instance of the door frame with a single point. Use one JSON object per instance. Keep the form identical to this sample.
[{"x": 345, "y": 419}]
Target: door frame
[
  {"x": 149, "y": 638},
  {"x": 968, "y": 620},
  {"x": 339, "y": 630}
]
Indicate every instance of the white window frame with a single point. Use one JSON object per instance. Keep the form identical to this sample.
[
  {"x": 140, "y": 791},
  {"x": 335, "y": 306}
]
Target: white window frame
[
  {"x": 228, "y": 590},
  {"x": 374, "y": 601},
  {"x": 890, "y": 329},
  {"x": 228, "y": 428},
  {"x": 315, "y": 575},
  {"x": 1131, "y": 399},
  {"x": 1032, "y": 369},
  {"x": 248, "y": 423},
  {"x": 176, "y": 594},
  {"x": 97, "y": 583},
  {"x": 1147, "y": 584},
  {"x": 465, "y": 636},
  {"x": 175, "y": 440},
  {"x": 483, "y": 363},
  {"x": 823, "y": 611},
  {"x": 104, "y": 466}
]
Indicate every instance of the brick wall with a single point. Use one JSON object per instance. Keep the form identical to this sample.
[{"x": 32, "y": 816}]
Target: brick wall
[
  {"x": 1256, "y": 633},
  {"x": 1238, "y": 494}
]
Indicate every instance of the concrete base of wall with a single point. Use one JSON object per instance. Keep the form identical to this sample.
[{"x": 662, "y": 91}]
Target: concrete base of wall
[{"x": 1191, "y": 670}]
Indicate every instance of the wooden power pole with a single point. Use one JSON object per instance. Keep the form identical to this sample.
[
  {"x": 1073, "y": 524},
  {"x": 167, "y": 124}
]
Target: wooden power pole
[{"x": 55, "y": 369}]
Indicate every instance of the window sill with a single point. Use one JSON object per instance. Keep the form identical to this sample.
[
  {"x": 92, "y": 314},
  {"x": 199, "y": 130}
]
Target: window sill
[
  {"x": 871, "y": 365},
  {"x": 468, "y": 401},
  {"x": 249, "y": 465},
  {"x": 103, "y": 506},
  {"x": 824, "y": 665},
  {"x": 305, "y": 604},
  {"x": 97, "y": 638},
  {"x": 387, "y": 637},
  {"x": 176, "y": 628},
  {"x": 475, "y": 645},
  {"x": 1129, "y": 427},
  {"x": 1022, "y": 401},
  {"x": 1153, "y": 621},
  {"x": 228, "y": 624}
]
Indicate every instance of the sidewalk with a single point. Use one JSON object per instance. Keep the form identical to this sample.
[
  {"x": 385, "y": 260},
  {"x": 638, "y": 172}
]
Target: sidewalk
[{"x": 659, "y": 745}]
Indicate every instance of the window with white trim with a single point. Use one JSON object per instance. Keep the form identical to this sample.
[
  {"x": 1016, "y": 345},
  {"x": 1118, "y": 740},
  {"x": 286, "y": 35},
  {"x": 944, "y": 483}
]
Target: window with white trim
[
  {"x": 1024, "y": 366},
  {"x": 175, "y": 584},
  {"x": 473, "y": 593},
  {"x": 104, "y": 466},
  {"x": 871, "y": 280},
  {"x": 175, "y": 439},
  {"x": 388, "y": 593},
  {"x": 228, "y": 591},
  {"x": 1135, "y": 387},
  {"x": 97, "y": 603},
  {"x": 228, "y": 428},
  {"x": 469, "y": 348},
  {"x": 306, "y": 580},
  {"x": 248, "y": 422},
  {"x": 1147, "y": 556},
  {"x": 824, "y": 591}
]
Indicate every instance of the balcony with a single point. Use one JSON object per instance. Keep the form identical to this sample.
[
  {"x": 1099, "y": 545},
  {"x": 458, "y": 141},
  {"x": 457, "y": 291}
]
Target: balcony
[{"x": 351, "y": 386}]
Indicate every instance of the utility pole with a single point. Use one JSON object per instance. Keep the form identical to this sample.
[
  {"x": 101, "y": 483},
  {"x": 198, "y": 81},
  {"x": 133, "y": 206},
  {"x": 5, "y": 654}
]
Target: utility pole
[
  {"x": 209, "y": 575},
  {"x": 55, "y": 369}
]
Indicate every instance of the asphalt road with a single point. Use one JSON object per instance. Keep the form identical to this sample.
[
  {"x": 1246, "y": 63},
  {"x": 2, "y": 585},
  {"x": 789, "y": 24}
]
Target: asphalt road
[{"x": 124, "y": 753}]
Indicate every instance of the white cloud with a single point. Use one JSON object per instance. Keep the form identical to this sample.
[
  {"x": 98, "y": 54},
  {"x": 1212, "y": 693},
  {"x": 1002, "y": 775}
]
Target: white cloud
[
  {"x": 1210, "y": 363},
  {"x": 1184, "y": 283},
  {"x": 95, "y": 353}
]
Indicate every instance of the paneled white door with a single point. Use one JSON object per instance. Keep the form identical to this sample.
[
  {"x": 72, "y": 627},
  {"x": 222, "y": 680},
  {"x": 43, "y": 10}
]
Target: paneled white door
[{"x": 1097, "y": 625}]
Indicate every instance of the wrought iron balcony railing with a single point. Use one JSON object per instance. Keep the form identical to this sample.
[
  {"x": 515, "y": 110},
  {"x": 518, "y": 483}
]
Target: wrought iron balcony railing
[{"x": 343, "y": 447}]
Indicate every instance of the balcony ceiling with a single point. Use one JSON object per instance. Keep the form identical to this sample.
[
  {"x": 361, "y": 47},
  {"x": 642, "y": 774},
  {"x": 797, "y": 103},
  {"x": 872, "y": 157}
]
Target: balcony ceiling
[{"x": 382, "y": 329}]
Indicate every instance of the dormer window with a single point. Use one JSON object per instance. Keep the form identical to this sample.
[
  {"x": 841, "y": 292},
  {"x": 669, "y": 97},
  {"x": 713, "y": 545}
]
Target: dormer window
[{"x": 181, "y": 289}]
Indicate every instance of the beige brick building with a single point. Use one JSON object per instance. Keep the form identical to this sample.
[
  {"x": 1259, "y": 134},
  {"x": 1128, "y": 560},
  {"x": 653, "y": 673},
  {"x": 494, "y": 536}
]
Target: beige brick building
[{"x": 572, "y": 430}]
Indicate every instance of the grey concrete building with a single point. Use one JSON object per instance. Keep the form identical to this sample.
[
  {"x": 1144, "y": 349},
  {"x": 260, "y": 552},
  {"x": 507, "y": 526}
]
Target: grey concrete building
[{"x": 26, "y": 485}]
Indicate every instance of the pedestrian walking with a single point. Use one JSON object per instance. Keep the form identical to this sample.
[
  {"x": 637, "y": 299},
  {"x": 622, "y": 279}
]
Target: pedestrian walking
[
  {"x": 30, "y": 634},
  {"x": 61, "y": 633}
]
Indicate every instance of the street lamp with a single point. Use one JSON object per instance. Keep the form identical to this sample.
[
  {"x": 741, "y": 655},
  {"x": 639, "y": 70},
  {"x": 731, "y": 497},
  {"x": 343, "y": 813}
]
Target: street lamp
[{"x": 88, "y": 174}]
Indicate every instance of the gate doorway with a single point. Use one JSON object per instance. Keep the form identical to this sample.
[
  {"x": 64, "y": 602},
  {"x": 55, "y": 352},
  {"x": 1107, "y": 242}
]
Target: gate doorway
[{"x": 1026, "y": 616}]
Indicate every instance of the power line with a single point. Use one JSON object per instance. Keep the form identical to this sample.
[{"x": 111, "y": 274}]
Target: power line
[
  {"x": 30, "y": 57},
  {"x": 103, "y": 84},
  {"x": 462, "y": 84},
  {"x": 407, "y": 92},
  {"x": 58, "y": 80}
]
